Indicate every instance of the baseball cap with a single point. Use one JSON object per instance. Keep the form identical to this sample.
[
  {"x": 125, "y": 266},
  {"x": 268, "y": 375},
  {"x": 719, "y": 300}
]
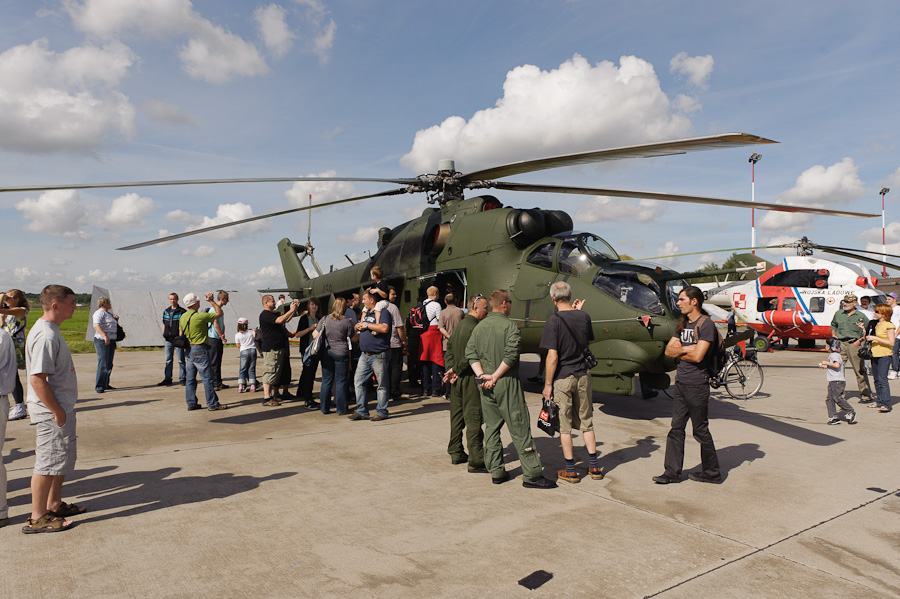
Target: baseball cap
[
  {"x": 850, "y": 298},
  {"x": 190, "y": 299},
  {"x": 893, "y": 295},
  {"x": 243, "y": 321}
]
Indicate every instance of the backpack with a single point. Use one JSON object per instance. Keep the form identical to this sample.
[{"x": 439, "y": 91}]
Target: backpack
[
  {"x": 716, "y": 355},
  {"x": 417, "y": 318}
]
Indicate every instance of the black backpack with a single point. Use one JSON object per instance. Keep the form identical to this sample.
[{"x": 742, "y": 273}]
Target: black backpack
[
  {"x": 417, "y": 318},
  {"x": 716, "y": 355}
]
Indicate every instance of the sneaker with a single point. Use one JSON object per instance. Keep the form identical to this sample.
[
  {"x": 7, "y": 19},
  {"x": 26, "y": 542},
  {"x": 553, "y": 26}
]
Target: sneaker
[
  {"x": 164, "y": 383},
  {"x": 539, "y": 483},
  {"x": 311, "y": 404},
  {"x": 702, "y": 478},
  {"x": 18, "y": 412},
  {"x": 596, "y": 473},
  {"x": 833, "y": 421},
  {"x": 892, "y": 375},
  {"x": 569, "y": 477},
  {"x": 240, "y": 388},
  {"x": 357, "y": 416},
  {"x": 851, "y": 418}
]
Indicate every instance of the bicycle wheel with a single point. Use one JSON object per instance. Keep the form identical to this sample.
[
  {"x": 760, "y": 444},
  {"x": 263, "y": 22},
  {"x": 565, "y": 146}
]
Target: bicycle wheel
[{"x": 743, "y": 379}]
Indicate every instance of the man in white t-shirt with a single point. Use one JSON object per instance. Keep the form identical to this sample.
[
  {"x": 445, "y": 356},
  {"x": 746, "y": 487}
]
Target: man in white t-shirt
[{"x": 52, "y": 393}]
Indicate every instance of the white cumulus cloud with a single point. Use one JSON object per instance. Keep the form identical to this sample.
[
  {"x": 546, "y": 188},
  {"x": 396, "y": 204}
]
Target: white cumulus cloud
[
  {"x": 321, "y": 191},
  {"x": 58, "y": 212},
  {"x": 667, "y": 249},
  {"x": 696, "y": 69},
  {"x": 274, "y": 31},
  {"x": 51, "y": 102},
  {"x": 228, "y": 213},
  {"x": 128, "y": 210},
  {"x": 361, "y": 235},
  {"x": 816, "y": 186},
  {"x": 211, "y": 53},
  {"x": 605, "y": 208},
  {"x": 201, "y": 251},
  {"x": 575, "y": 107}
]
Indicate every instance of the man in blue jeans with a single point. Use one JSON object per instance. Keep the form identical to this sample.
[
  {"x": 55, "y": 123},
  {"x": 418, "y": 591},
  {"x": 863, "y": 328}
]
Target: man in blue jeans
[
  {"x": 195, "y": 326},
  {"x": 171, "y": 316},
  {"x": 374, "y": 344}
]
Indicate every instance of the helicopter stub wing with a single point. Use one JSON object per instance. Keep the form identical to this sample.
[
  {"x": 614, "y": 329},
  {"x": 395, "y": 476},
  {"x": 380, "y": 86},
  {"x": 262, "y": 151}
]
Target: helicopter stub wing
[
  {"x": 662, "y": 148},
  {"x": 672, "y": 197}
]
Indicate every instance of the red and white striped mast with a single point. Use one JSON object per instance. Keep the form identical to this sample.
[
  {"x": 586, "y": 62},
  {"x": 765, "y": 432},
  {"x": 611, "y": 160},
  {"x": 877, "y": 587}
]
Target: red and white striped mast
[{"x": 884, "y": 191}]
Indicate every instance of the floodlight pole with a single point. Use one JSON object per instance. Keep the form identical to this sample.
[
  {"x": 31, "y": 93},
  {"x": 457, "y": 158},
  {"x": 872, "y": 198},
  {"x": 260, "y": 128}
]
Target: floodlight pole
[
  {"x": 754, "y": 158},
  {"x": 884, "y": 191}
]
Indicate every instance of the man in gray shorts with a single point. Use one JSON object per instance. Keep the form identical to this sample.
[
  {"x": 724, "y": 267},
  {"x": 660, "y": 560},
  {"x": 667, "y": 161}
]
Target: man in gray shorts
[{"x": 52, "y": 393}]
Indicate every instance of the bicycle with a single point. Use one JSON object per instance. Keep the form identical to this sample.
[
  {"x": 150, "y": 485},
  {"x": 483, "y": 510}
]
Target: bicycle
[{"x": 741, "y": 375}]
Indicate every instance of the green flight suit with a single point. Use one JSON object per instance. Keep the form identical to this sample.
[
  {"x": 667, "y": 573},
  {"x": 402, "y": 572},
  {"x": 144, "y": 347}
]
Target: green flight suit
[
  {"x": 495, "y": 340},
  {"x": 465, "y": 402}
]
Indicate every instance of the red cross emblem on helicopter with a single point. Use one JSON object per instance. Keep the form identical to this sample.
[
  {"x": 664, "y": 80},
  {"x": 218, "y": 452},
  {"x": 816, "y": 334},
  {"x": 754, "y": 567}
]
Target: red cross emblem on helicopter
[{"x": 740, "y": 301}]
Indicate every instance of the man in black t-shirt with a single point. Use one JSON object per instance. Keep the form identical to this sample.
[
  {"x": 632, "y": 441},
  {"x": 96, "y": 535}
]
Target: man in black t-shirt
[
  {"x": 693, "y": 338},
  {"x": 568, "y": 380},
  {"x": 276, "y": 356}
]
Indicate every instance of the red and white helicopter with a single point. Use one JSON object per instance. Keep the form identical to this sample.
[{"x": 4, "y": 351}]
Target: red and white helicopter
[{"x": 797, "y": 297}]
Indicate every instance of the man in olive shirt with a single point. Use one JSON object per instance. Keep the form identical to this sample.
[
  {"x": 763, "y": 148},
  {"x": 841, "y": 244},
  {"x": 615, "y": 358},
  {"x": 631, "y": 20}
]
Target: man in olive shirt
[
  {"x": 849, "y": 326},
  {"x": 494, "y": 347},
  {"x": 465, "y": 402},
  {"x": 195, "y": 326}
]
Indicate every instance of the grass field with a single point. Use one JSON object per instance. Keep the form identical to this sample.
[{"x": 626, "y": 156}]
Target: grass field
[{"x": 73, "y": 331}]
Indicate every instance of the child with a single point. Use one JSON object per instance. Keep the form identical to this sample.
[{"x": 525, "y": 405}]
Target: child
[
  {"x": 834, "y": 374},
  {"x": 245, "y": 342}
]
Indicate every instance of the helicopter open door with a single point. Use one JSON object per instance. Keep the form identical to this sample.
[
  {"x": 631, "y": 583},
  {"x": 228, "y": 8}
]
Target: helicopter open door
[{"x": 447, "y": 281}]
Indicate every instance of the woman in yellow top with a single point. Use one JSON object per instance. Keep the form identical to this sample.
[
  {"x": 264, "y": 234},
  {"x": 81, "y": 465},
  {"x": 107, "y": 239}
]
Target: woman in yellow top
[{"x": 882, "y": 342}]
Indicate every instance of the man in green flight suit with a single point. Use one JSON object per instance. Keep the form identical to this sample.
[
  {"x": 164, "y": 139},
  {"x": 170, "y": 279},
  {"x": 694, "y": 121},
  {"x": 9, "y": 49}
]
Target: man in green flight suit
[
  {"x": 465, "y": 401},
  {"x": 494, "y": 347}
]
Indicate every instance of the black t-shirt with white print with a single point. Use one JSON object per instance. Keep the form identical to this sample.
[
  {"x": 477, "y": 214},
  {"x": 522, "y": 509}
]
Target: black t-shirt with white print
[{"x": 688, "y": 372}]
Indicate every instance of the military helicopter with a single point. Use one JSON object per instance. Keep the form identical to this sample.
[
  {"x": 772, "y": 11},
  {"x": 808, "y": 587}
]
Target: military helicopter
[{"x": 475, "y": 245}]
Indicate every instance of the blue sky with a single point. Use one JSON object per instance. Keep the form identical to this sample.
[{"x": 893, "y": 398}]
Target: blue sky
[{"x": 129, "y": 90}]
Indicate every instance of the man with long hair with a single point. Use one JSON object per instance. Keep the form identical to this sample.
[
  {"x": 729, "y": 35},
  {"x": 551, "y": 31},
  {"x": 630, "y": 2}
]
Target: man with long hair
[{"x": 694, "y": 336}]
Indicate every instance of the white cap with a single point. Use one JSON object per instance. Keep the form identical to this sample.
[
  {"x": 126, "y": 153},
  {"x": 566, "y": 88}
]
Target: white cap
[{"x": 190, "y": 299}]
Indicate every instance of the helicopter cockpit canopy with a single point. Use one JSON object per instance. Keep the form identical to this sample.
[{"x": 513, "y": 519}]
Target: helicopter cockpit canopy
[
  {"x": 634, "y": 289},
  {"x": 578, "y": 250}
]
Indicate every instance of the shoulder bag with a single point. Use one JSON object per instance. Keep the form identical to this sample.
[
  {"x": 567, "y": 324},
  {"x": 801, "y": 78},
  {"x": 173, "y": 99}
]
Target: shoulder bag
[
  {"x": 589, "y": 359},
  {"x": 181, "y": 340}
]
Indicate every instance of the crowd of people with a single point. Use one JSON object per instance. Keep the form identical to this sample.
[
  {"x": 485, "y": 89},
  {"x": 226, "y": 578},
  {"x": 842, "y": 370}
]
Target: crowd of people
[{"x": 471, "y": 356}]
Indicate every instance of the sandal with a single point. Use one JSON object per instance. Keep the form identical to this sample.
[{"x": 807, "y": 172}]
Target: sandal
[
  {"x": 46, "y": 523},
  {"x": 67, "y": 509},
  {"x": 272, "y": 403},
  {"x": 884, "y": 410},
  {"x": 874, "y": 406}
]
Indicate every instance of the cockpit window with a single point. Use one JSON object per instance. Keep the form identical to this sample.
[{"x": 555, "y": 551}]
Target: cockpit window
[
  {"x": 572, "y": 259},
  {"x": 597, "y": 251},
  {"x": 542, "y": 255},
  {"x": 630, "y": 288},
  {"x": 814, "y": 278}
]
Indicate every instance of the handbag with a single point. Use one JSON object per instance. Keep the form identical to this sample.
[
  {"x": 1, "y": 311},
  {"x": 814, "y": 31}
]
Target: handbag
[
  {"x": 865, "y": 350},
  {"x": 316, "y": 347},
  {"x": 120, "y": 332},
  {"x": 590, "y": 360},
  {"x": 181, "y": 341},
  {"x": 548, "y": 419}
]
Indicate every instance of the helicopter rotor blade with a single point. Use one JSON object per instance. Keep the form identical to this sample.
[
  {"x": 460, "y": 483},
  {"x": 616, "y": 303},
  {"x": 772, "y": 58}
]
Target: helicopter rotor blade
[
  {"x": 671, "y": 197},
  {"x": 200, "y": 182},
  {"x": 260, "y": 217},
  {"x": 826, "y": 248},
  {"x": 856, "y": 257},
  {"x": 759, "y": 247},
  {"x": 663, "y": 148}
]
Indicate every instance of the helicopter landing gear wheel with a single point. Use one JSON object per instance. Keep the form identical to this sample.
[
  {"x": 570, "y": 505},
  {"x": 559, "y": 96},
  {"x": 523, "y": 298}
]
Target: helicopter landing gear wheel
[
  {"x": 743, "y": 379},
  {"x": 762, "y": 344}
]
